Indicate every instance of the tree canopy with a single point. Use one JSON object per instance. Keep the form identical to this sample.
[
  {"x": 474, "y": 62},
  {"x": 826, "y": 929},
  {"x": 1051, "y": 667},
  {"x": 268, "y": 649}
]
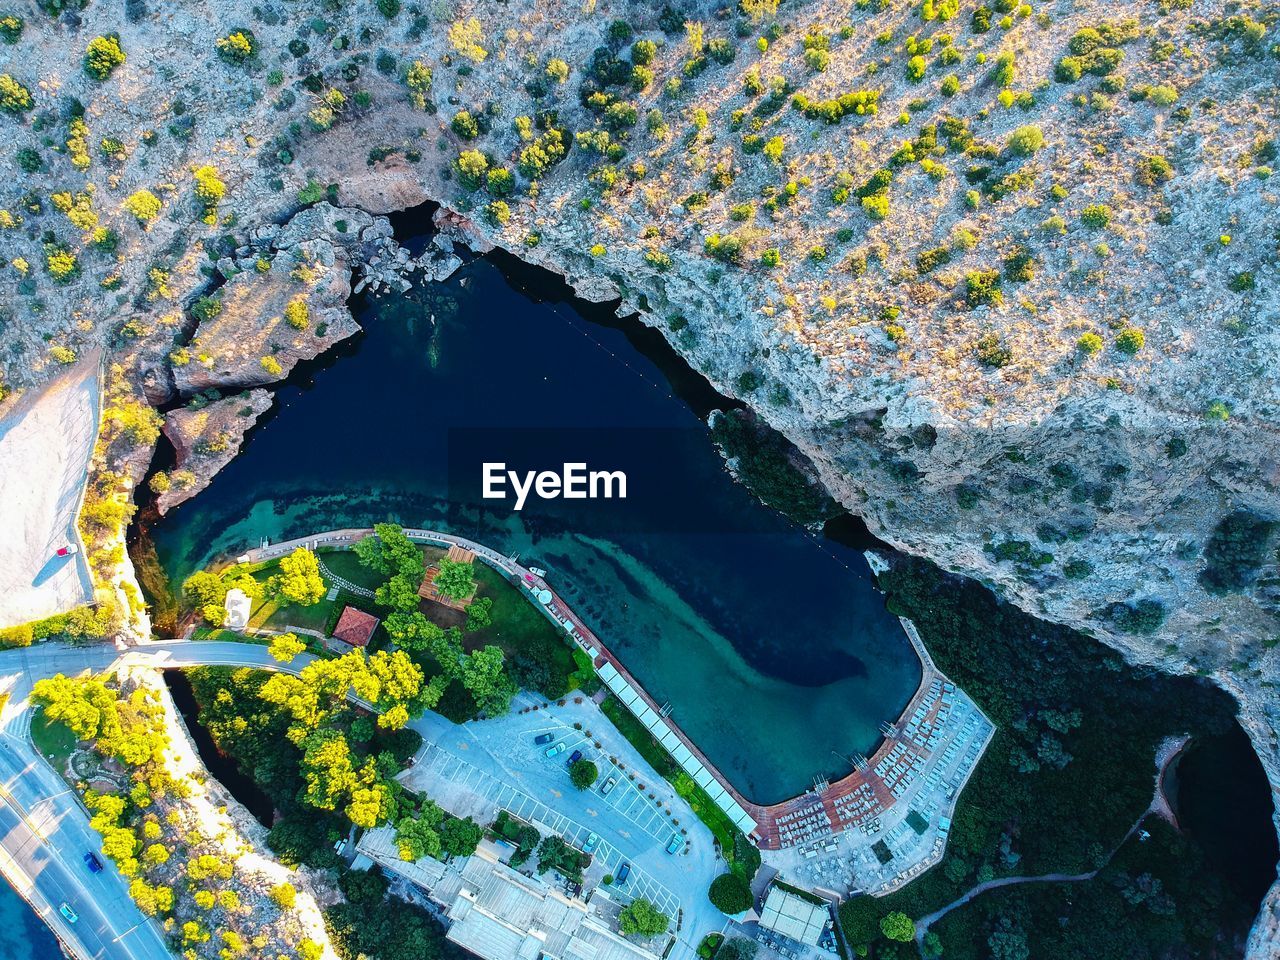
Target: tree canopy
[
  {"x": 456, "y": 579},
  {"x": 299, "y": 579},
  {"x": 730, "y": 894},
  {"x": 643, "y": 919}
]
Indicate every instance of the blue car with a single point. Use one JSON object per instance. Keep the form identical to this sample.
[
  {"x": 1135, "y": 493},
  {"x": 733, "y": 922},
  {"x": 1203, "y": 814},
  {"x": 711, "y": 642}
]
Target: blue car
[
  {"x": 92, "y": 862},
  {"x": 542, "y": 738},
  {"x": 624, "y": 871},
  {"x": 574, "y": 757}
]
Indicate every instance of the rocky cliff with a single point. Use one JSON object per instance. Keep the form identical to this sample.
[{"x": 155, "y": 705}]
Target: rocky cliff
[
  {"x": 1007, "y": 274},
  {"x": 205, "y": 437}
]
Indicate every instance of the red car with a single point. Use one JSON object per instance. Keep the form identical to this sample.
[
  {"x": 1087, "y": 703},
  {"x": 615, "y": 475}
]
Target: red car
[{"x": 67, "y": 551}]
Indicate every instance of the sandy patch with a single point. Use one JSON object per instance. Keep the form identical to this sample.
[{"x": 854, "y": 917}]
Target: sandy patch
[{"x": 46, "y": 441}]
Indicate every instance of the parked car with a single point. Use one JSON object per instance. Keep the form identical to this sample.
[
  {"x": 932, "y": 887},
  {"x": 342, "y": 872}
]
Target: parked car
[
  {"x": 592, "y": 840},
  {"x": 70, "y": 915},
  {"x": 339, "y": 846},
  {"x": 542, "y": 738},
  {"x": 624, "y": 871},
  {"x": 676, "y": 843},
  {"x": 92, "y": 862},
  {"x": 67, "y": 551},
  {"x": 574, "y": 757},
  {"x": 608, "y": 785},
  {"x": 558, "y": 749}
]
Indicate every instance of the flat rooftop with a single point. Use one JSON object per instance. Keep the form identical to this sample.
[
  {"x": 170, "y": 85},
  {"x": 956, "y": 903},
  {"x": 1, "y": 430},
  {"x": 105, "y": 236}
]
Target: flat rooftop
[{"x": 794, "y": 916}]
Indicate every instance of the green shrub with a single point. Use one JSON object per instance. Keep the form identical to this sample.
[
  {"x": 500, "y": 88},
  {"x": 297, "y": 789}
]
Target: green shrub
[
  {"x": 500, "y": 182},
  {"x": 1144, "y": 617},
  {"x": 472, "y": 166},
  {"x": 236, "y": 47},
  {"x": 916, "y": 67},
  {"x": 1019, "y": 265},
  {"x": 144, "y": 205},
  {"x": 11, "y": 27},
  {"x": 102, "y": 56},
  {"x": 498, "y": 213},
  {"x": 1130, "y": 340},
  {"x": 992, "y": 351},
  {"x": 857, "y": 102},
  {"x": 1096, "y": 216},
  {"x": 297, "y": 314},
  {"x": 1154, "y": 170},
  {"x": 1089, "y": 344},
  {"x": 14, "y": 97},
  {"x": 950, "y": 85},
  {"x": 1235, "y": 551},
  {"x": 983, "y": 287},
  {"x": 1025, "y": 141},
  {"x": 930, "y": 260},
  {"x": 465, "y": 125},
  {"x": 877, "y": 206},
  {"x": 29, "y": 160}
]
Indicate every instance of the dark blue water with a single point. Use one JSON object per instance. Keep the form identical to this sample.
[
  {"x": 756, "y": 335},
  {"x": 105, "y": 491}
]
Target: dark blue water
[
  {"x": 774, "y": 650},
  {"x": 23, "y": 935}
]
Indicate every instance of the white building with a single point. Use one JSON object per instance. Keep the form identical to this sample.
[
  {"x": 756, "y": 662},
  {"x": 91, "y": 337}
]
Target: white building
[
  {"x": 498, "y": 913},
  {"x": 238, "y": 609}
]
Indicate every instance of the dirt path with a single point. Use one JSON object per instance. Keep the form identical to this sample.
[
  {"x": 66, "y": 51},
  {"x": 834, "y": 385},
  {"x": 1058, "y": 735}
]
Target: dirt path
[
  {"x": 46, "y": 441},
  {"x": 923, "y": 924}
]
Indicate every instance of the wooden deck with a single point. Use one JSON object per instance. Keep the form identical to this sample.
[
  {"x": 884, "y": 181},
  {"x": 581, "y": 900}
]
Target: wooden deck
[{"x": 427, "y": 589}]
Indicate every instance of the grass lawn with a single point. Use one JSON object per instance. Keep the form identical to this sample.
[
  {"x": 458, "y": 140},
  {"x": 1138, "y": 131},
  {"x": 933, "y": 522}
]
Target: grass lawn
[
  {"x": 54, "y": 741},
  {"x": 272, "y": 614},
  {"x": 518, "y": 627}
]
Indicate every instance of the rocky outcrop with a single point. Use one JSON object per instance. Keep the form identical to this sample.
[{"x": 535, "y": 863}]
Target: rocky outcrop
[
  {"x": 206, "y": 437},
  {"x": 266, "y": 322}
]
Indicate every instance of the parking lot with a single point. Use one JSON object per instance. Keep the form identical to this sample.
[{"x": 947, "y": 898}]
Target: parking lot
[{"x": 478, "y": 768}]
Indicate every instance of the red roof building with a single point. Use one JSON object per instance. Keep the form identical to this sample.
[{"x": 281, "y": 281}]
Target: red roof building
[{"x": 355, "y": 627}]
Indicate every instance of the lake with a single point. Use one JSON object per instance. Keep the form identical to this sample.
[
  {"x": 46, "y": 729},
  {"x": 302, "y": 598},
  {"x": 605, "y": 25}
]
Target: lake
[{"x": 770, "y": 643}]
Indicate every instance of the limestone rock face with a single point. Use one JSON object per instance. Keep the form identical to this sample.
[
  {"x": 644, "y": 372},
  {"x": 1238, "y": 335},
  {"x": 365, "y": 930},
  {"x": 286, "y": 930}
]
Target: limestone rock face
[
  {"x": 206, "y": 437},
  {"x": 249, "y": 342}
]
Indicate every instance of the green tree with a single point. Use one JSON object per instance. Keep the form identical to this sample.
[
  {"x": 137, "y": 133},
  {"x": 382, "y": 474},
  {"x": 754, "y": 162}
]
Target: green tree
[
  {"x": 485, "y": 680},
  {"x": 730, "y": 894},
  {"x": 480, "y": 614},
  {"x": 898, "y": 926},
  {"x": 456, "y": 579},
  {"x": 459, "y": 837},
  {"x": 642, "y": 918},
  {"x": 418, "y": 836},
  {"x": 583, "y": 774},
  {"x": 299, "y": 579}
]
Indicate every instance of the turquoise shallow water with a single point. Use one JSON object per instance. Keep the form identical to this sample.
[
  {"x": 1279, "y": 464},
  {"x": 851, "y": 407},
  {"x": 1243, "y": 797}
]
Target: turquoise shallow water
[{"x": 771, "y": 645}]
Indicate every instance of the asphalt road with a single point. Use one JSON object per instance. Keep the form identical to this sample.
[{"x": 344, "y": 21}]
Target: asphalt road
[{"x": 44, "y": 832}]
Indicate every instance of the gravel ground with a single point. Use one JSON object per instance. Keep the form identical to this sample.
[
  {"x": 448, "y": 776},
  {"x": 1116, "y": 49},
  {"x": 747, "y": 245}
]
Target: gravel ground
[{"x": 46, "y": 441}]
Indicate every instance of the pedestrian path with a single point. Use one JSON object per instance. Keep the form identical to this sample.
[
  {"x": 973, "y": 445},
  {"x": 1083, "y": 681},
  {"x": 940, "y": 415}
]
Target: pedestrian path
[{"x": 342, "y": 582}]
